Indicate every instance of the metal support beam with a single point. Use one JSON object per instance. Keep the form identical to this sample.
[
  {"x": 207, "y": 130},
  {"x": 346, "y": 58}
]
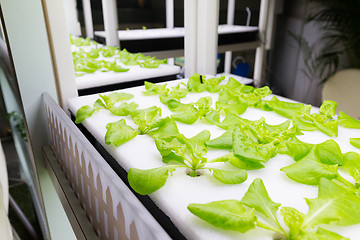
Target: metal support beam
[
  {"x": 230, "y": 21},
  {"x": 110, "y": 22},
  {"x": 169, "y": 13},
  {"x": 190, "y": 24},
  {"x": 261, "y": 50},
  {"x": 207, "y": 36},
  {"x": 89, "y": 28}
]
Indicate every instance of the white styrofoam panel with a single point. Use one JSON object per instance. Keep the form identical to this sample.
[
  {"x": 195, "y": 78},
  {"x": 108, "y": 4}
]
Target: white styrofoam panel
[
  {"x": 138, "y": 34},
  {"x": 135, "y": 73},
  {"x": 180, "y": 189}
]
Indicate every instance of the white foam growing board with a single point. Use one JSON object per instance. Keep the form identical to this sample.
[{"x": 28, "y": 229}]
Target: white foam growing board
[
  {"x": 156, "y": 33},
  {"x": 98, "y": 78},
  {"x": 181, "y": 190}
]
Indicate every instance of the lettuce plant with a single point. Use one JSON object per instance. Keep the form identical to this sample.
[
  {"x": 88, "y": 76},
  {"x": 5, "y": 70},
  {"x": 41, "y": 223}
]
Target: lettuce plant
[
  {"x": 251, "y": 144},
  {"x": 165, "y": 94},
  {"x": 89, "y": 61},
  {"x": 177, "y": 151},
  {"x": 317, "y": 161},
  {"x": 107, "y": 102},
  {"x": 334, "y": 205}
]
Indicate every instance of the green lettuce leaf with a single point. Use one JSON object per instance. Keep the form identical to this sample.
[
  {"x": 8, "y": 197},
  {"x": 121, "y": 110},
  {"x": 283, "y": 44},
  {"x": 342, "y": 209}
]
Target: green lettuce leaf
[
  {"x": 203, "y": 105},
  {"x": 171, "y": 150},
  {"x": 196, "y": 145},
  {"x": 119, "y": 133},
  {"x": 124, "y": 109},
  {"x": 176, "y": 93},
  {"x": 111, "y": 99},
  {"x": 222, "y": 142},
  {"x": 288, "y": 109},
  {"x": 188, "y": 117},
  {"x": 84, "y": 112},
  {"x": 213, "y": 84},
  {"x": 213, "y": 117},
  {"x": 98, "y": 103},
  {"x": 247, "y": 149},
  {"x": 298, "y": 149},
  {"x": 328, "y": 109},
  {"x": 154, "y": 89},
  {"x": 235, "y": 108},
  {"x": 303, "y": 124},
  {"x": 330, "y": 128},
  {"x": 115, "y": 67},
  {"x": 148, "y": 181},
  {"x": 164, "y": 128},
  {"x": 167, "y": 146},
  {"x": 355, "y": 142},
  {"x": 333, "y": 205},
  {"x": 282, "y": 126},
  {"x": 309, "y": 171},
  {"x": 352, "y": 165},
  {"x": 185, "y": 113},
  {"x": 226, "y": 214},
  {"x": 328, "y": 235},
  {"x": 258, "y": 198},
  {"x": 348, "y": 121},
  {"x": 231, "y": 120},
  {"x": 238, "y": 162},
  {"x": 294, "y": 220},
  {"x": 329, "y": 152},
  {"x": 146, "y": 119},
  {"x": 229, "y": 177},
  {"x": 196, "y": 83}
]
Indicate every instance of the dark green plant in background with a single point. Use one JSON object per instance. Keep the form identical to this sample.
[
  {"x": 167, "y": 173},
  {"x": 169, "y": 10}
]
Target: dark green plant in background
[
  {"x": 339, "y": 45},
  {"x": 340, "y": 22},
  {"x": 18, "y": 123}
]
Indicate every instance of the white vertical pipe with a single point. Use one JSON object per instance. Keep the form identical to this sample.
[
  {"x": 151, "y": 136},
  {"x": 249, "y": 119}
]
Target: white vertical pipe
[
  {"x": 260, "y": 51},
  {"x": 270, "y": 24},
  {"x": 72, "y": 17},
  {"x": 231, "y": 12},
  {"x": 230, "y": 21},
  {"x": 89, "y": 28},
  {"x": 190, "y": 39},
  {"x": 227, "y": 64},
  {"x": 169, "y": 13},
  {"x": 171, "y": 61},
  {"x": 110, "y": 22},
  {"x": 207, "y": 36}
]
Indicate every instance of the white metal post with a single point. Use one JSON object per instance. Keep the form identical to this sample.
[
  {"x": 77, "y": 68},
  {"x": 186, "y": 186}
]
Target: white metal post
[
  {"x": 207, "y": 36},
  {"x": 190, "y": 39},
  {"x": 110, "y": 22},
  {"x": 260, "y": 51},
  {"x": 169, "y": 13},
  {"x": 271, "y": 19},
  {"x": 72, "y": 17},
  {"x": 89, "y": 28},
  {"x": 170, "y": 22},
  {"x": 61, "y": 51},
  {"x": 230, "y": 21},
  {"x": 231, "y": 12}
]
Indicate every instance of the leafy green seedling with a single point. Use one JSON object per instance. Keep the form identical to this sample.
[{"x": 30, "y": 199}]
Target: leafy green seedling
[
  {"x": 348, "y": 121},
  {"x": 180, "y": 152},
  {"x": 334, "y": 205},
  {"x": 107, "y": 102},
  {"x": 355, "y": 142}
]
